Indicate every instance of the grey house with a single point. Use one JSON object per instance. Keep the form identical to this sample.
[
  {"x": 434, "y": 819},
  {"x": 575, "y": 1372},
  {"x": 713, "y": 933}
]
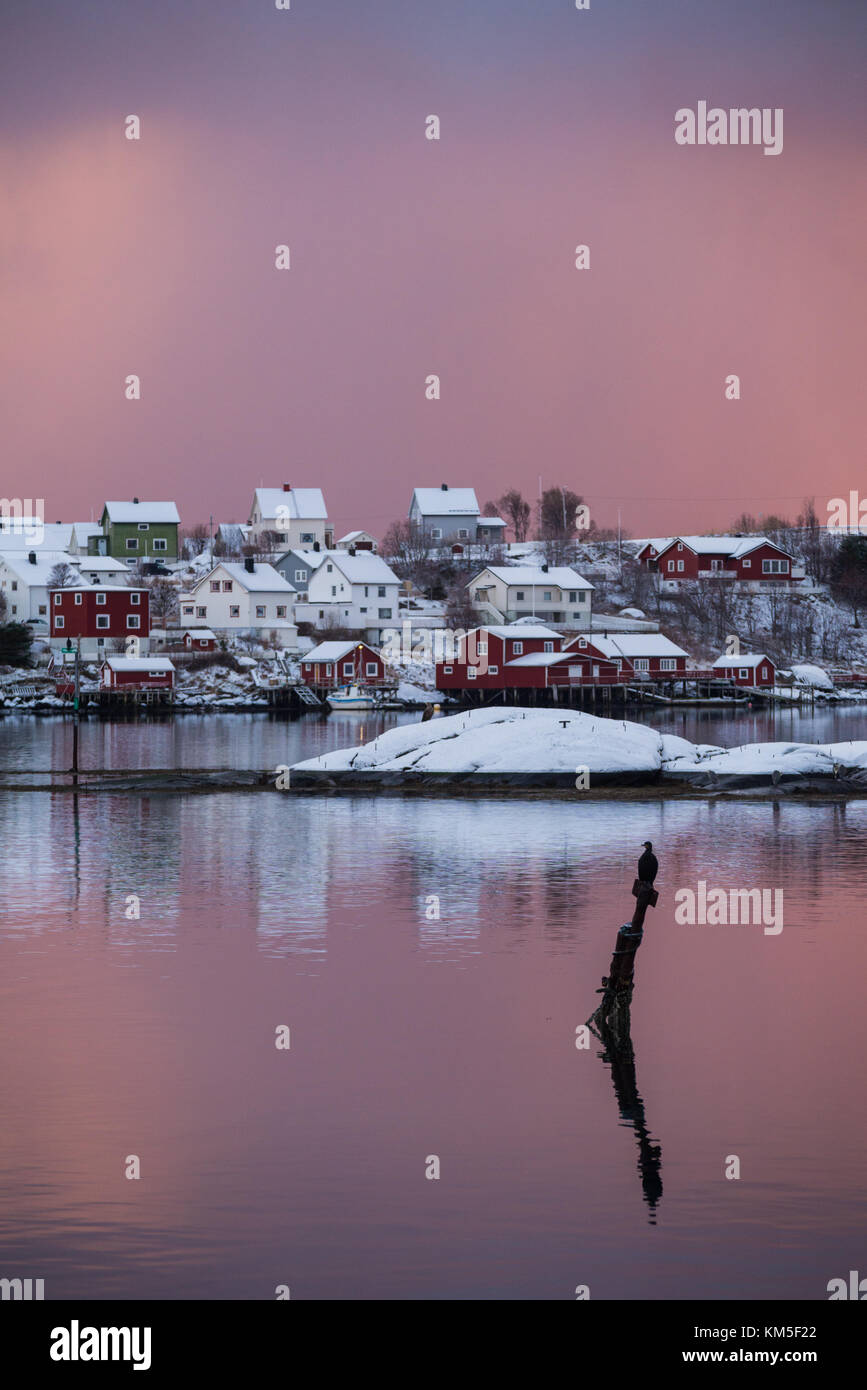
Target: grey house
[
  {"x": 445, "y": 513},
  {"x": 296, "y": 567}
]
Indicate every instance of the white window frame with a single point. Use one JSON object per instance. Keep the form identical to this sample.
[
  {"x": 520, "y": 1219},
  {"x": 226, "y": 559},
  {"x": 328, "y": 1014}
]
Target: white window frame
[
  {"x": 103, "y": 621},
  {"x": 133, "y": 621}
]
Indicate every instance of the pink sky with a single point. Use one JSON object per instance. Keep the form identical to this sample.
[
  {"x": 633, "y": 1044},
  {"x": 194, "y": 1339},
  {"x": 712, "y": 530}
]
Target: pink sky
[{"x": 411, "y": 257}]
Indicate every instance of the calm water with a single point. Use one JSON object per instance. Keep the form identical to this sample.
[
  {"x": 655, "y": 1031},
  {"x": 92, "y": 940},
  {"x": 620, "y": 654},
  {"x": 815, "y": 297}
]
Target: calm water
[{"x": 413, "y": 1037}]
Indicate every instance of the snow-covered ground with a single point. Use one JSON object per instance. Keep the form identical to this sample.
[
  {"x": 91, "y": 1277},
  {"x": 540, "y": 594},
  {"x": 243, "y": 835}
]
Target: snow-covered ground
[{"x": 545, "y": 741}]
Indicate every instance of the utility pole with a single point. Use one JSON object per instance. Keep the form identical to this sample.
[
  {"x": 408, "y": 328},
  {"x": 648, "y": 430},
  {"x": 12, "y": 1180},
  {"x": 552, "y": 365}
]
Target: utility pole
[
  {"x": 75, "y": 709},
  {"x": 619, "y": 554}
]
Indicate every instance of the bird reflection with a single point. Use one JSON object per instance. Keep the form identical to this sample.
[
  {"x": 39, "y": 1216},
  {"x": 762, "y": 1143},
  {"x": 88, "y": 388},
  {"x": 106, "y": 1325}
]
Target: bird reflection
[{"x": 619, "y": 1054}]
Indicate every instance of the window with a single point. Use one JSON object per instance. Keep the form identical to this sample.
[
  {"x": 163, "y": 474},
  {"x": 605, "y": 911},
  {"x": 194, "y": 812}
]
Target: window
[
  {"x": 447, "y": 670},
  {"x": 667, "y": 663},
  {"x": 472, "y": 673},
  {"x": 463, "y": 534},
  {"x": 144, "y": 525},
  {"x": 14, "y": 583},
  {"x": 582, "y": 641},
  {"x": 133, "y": 620},
  {"x": 135, "y": 599},
  {"x": 775, "y": 567},
  {"x": 679, "y": 546},
  {"x": 482, "y": 648},
  {"x": 307, "y": 538},
  {"x": 385, "y": 612},
  {"x": 42, "y": 610},
  {"x": 362, "y": 610},
  {"x": 575, "y": 614},
  {"x": 548, "y": 647},
  {"x": 78, "y": 599},
  {"x": 281, "y": 610},
  {"x": 157, "y": 544},
  {"x": 764, "y": 673},
  {"x": 716, "y": 564},
  {"x": 347, "y": 668},
  {"x": 100, "y": 641},
  {"x": 102, "y": 620},
  {"x": 546, "y": 595},
  {"x": 595, "y": 672},
  {"x": 642, "y": 664},
  {"x": 670, "y": 566},
  {"x": 132, "y": 543},
  {"x": 328, "y": 669},
  {"x": 493, "y": 670},
  {"x": 100, "y": 598},
  {"x": 201, "y": 611},
  {"x": 743, "y": 673},
  {"x": 519, "y": 597},
  {"x": 188, "y": 610},
  {"x": 371, "y": 668},
  {"x": 329, "y": 568},
  {"x": 227, "y": 586},
  {"x": 573, "y": 595},
  {"x": 300, "y": 576},
  {"x": 234, "y": 610},
  {"x": 59, "y": 621},
  {"x": 747, "y": 564},
  {"x": 680, "y": 567},
  {"x": 517, "y": 649},
  {"x": 436, "y": 533},
  {"x": 380, "y": 591},
  {"x": 260, "y": 610},
  {"x": 215, "y": 586}
]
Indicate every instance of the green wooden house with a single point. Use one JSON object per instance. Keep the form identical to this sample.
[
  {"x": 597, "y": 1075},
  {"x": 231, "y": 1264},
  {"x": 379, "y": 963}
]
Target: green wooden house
[{"x": 135, "y": 531}]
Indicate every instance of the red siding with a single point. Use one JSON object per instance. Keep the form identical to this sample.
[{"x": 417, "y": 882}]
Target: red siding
[
  {"x": 80, "y": 618},
  {"x": 753, "y": 677},
  {"x": 314, "y": 673}
]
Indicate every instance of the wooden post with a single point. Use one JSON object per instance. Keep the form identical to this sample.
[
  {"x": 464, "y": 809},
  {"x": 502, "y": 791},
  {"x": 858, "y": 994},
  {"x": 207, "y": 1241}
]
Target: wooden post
[{"x": 618, "y": 984}]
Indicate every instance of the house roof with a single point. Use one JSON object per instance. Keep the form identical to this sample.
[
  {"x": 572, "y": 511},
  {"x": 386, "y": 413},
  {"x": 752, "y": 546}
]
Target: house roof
[
  {"x": 138, "y": 663},
  {"x": 16, "y": 532},
  {"x": 204, "y": 632},
  {"x": 520, "y": 631},
  {"x": 542, "y": 658},
  {"x": 363, "y": 568},
  {"x": 303, "y": 503},
  {"x": 732, "y": 546},
  {"x": 512, "y": 575},
  {"x": 353, "y": 536},
  {"x": 631, "y": 645},
  {"x": 103, "y": 564},
  {"x": 453, "y": 501},
  {"x": 46, "y": 560},
  {"x": 160, "y": 513},
  {"x": 264, "y": 578},
  {"x": 745, "y": 659},
  {"x": 332, "y": 651},
  {"x": 492, "y": 521},
  {"x": 658, "y": 542}
]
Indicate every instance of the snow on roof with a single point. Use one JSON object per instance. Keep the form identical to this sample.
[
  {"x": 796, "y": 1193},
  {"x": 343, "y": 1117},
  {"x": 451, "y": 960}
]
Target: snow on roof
[
  {"x": 201, "y": 632},
  {"x": 745, "y": 659},
  {"x": 313, "y": 558},
  {"x": 138, "y": 663},
  {"x": 453, "y": 501},
  {"x": 353, "y": 536},
  {"x": 559, "y": 575},
  {"x": 18, "y": 563},
  {"x": 658, "y": 542},
  {"x": 492, "y": 521},
  {"x": 632, "y": 645},
  {"x": 331, "y": 651},
  {"x": 160, "y": 513},
  {"x": 29, "y": 533},
  {"x": 521, "y": 630},
  {"x": 301, "y": 503},
  {"x": 363, "y": 568},
  {"x": 733, "y": 546},
  {"x": 543, "y": 658},
  {"x": 264, "y": 578},
  {"x": 806, "y": 674},
  {"x": 103, "y": 563}
]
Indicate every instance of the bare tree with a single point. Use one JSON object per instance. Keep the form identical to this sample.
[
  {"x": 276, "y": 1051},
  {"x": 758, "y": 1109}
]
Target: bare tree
[
  {"x": 516, "y": 511},
  {"x": 163, "y": 601},
  {"x": 195, "y": 540},
  {"x": 557, "y": 513},
  {"x": 62, "y": 576}
]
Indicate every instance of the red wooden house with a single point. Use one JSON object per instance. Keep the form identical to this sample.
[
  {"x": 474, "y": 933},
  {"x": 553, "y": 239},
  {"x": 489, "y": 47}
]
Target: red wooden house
[
  {"x": 342, "y": 663},
  {"x": 137, "y": 673},
  {"x": 519, "y": 657},
  {"x": 91, "y": 615},
  {"x": 636, "y": 655},
  {"x": 200, "y": 639},
  {"x": 720, "y": 557},
  {"x": 752, "y": 669}
]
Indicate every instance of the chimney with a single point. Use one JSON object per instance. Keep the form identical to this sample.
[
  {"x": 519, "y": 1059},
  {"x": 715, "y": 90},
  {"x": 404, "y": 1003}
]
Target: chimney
[
  {"x": 250, "y": 565},
  {"x": 287, "y": 487},
  {"x": 32, "y": 557},
  {"x": 444, "y": 487},
  {"x": 315, "y": 545},
  {"x": 544, "y": 569},
  {"x": 135, "y": 499}
]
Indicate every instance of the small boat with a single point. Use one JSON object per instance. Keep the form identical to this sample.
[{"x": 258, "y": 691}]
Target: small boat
[{"x": 350, "y": 697}]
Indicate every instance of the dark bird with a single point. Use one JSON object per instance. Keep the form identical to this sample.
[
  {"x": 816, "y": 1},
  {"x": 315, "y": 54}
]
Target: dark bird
[{"x": 648, "y": 864}]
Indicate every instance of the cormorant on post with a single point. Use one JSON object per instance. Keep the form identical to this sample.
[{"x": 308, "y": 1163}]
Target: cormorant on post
[{"x": 648, "y": 864}]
